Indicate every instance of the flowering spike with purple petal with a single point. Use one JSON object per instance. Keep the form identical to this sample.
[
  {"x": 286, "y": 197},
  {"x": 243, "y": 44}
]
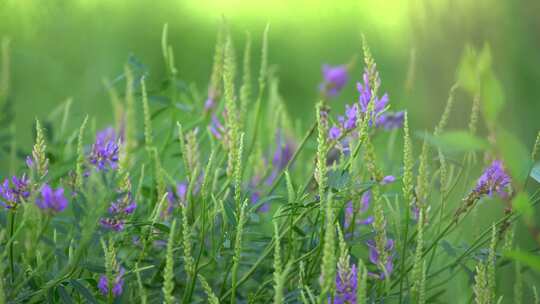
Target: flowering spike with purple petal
[
  {"x": 493, "y": 180},
  {"x": 346, "y": 285},
  {"x": 104, "y": 153},
  {"x": 335, "y": 78},
  {"x": 391, "y": 121},
  {"x": 374, "y": 258},
  {"x": 281, "y": 157},
  {"x": 174, "y": 197},
  {"x": 51, "y": 200},
  {"x": 118, "y": 284},
  {"x": 119, "y": 210},
  {"x": 14, "y": 191},
  {"x": 351, "y": 212}
]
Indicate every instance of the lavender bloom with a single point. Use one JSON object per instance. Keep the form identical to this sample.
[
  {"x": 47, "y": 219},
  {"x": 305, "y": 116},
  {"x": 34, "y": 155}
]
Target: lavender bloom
[
  {"x": 365, "y": 96},
  {"x": 112, "y": 223},
  {"x": 179, "y": 195},
  {"x": 209, "y": 103},
  {"x": 118, "y": 211},
  {"x": 118, "y": 284},
  {"x": 494, "y": 180},
  {"x": 335, "y": 78},
  {"x": 105, "y": 150},
  {"x": 391, "y": 121},
  {"x": 388, "y": 180},
  {"x": 282, "y": 155},
  {"x": 255, "y": 197},
  {"x": 346, "y": 285},
  {"x": 350, "y": 211},
  {"x": 334, "y": 133},
  {"x": 216, "y": 128},
  {"x": 52, "y": 200},
  {"x": 12, "y": 196},
  {"x": 374, "y": 258}
]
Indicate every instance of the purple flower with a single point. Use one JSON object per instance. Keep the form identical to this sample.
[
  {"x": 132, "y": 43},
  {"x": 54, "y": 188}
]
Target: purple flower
[
  {"x": 391, "y": 121},
  {"x": 51, "y": 200},
  {"x": 346, "y": 285},
  {"x": 14, "y": 191},
  {"x": 334, "y": 133},
  {"x": 118, "y": 284},
  {"x": 335, "y": 78},
  {"x": 282, "y": 155},
  {"x": 104, "y": 154},
  {"x": 350, "y": 211},
  {"x": 494, "y": 180},
  {"x": 119, "y": 209},
  {"x": 255, "y": 197},
  {"x": 174, "y": 197},
  {"x": 112, "y": 223},
  {"x": 374, "y": 255},
  {"x": 388, "y": 179},
  {"x": 365, "y": 96},
  {"x": 216, "y": 128}
]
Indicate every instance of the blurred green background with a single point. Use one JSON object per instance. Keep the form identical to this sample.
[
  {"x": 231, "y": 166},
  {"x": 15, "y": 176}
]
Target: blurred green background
[{"x": 62, "y": 49}]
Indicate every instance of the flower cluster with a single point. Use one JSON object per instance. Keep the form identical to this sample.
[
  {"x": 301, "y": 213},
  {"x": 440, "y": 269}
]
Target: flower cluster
[
  {"x": 348, "y": 122},
  {"x": 351, "y": 213},
  {"x": 119, "y": 209},
  {"x": 346, "y": 284},
  {"x": 374, "y": 257},
  {"x": 281, "y": 157},
  {"x": 117, "y": 284},
  {"x": 493, "y": 180},
  {"x": 335, "y": 78},
  {"x": 175, "y": 196},
  {"x": 104, "y": 153},
  {"x": 50, "y": 200},
  {"x": 14, "y": 191}
]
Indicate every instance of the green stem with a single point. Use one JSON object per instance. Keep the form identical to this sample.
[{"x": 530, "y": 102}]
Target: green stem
[{"x": 11, "y": 230}]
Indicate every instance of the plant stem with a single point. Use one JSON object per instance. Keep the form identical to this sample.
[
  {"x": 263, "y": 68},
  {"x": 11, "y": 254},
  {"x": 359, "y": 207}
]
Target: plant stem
[{"x": 11, "y": 231}]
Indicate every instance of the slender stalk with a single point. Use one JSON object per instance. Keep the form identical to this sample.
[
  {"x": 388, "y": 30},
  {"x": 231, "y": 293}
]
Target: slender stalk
[{"x": 12, "y": 218}]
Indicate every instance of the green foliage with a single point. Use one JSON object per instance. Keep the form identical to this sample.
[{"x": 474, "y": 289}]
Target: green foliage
[{"x": 262, "y": 214}]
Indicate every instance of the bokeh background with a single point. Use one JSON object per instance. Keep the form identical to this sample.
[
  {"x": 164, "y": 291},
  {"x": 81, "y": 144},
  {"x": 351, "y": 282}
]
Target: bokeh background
[{"x": 64, "y": 49}]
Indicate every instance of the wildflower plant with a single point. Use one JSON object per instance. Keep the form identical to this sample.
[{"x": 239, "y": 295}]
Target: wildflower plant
[{"x": 226, "y": 200}]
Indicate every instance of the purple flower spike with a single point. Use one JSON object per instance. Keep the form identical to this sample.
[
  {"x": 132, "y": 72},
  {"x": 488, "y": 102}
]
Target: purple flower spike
[
  {"x": 118, "y": 284},
  {"x": 119, "y": 210},
  {"x": 334, "y": 133},
  {"x": 14, "y": 191},
  {"x": 350, "y": 211},
  {"x": 365, "y": 96},
  {"x": 216, "y": 128},
  {"x": 104, "y": 154},
  {"x": 346, "y": 285},
  {"x": 335, "y": 78},
  {"x": 494, "y": 180},
  {"x": 51, "y": 200},
  {"x": 374, "y": 255},
  {"x": 391, "y": 121}
]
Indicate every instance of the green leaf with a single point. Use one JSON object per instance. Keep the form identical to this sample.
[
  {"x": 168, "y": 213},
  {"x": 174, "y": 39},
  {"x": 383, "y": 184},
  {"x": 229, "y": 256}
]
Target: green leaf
[
  {"x": 515, "y": 155},
  {"x": 522, "y": 204},
  {"x": 83, "y": 291},
  {"x": 535, "y": 172},
  {"x": 492, "y": 97},
  {"x": 66, "y": 298},
  {"x": 458, "y": 141},
  {"x": 531, "y": 260},
  {"x": 484, "y": 60}
]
